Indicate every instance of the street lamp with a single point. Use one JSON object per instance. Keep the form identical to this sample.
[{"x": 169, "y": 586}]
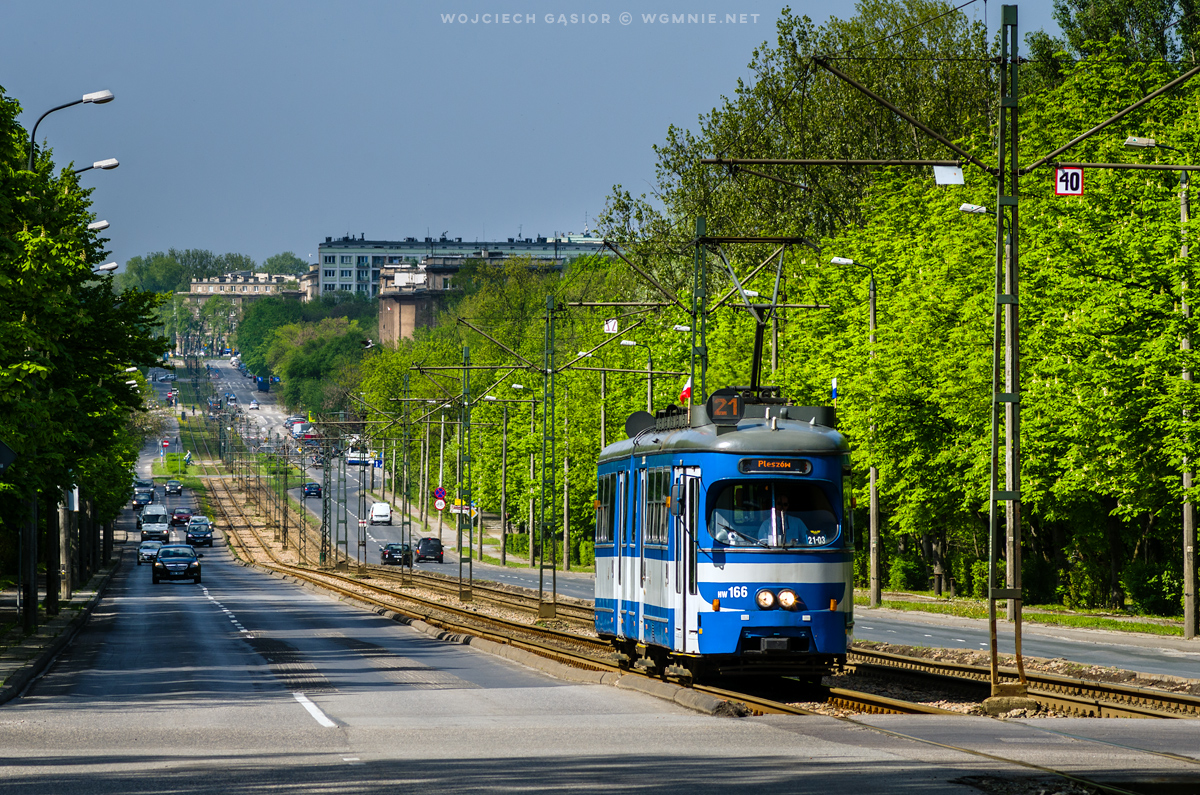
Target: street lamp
[
  {"x": 649, "y": 372},
  {"x": 103, "y": 165},
  {"x": 107, "y": 267},
  {"x": 875, "y": 585},
  {"x": 95, "y": 98},
  {"x": 1185, "y": 344},
  {"x": 96, "y": 226},
  {"x": 977, "y": 209}
]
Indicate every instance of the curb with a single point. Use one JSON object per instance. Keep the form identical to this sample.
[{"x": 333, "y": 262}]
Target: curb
[{"x": 29, "y": 668}]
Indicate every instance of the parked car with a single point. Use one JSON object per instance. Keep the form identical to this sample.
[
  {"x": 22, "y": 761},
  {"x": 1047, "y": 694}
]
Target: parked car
[
  {"x": 381, "y": 513},
  {"x": 176, "y": 562},
  {"x": 173, "y": 487},
  {"x": 180, "y": 517},
  {"x": 430, "y": 549},
  {"x": 147, "y": 551},
  {"x": 199, "y": 532},
  {"x": 395, "y": 555},
  {"x": 312, "y": 489}
]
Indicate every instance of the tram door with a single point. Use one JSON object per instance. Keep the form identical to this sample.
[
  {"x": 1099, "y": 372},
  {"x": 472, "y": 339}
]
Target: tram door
[
  {"x": 628, "y": 575},
  {"x": 686, "y": 491},
  {"x": 656, "y": 564}
]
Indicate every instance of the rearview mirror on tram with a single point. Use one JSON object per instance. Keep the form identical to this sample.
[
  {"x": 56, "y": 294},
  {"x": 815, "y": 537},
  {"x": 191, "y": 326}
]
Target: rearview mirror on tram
[{"x": 676, "y": 499}]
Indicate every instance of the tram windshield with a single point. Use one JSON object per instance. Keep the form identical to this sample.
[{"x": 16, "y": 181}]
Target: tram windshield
[{"x": 773, "y": 513}]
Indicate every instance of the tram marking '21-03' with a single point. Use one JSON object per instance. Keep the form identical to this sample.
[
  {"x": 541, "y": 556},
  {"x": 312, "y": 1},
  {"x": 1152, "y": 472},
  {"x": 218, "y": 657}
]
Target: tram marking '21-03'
[{"x": 727, "y": 547}]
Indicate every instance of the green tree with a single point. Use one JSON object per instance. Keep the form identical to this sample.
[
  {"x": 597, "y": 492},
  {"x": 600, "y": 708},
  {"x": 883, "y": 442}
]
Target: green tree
[
  {"x": 68, "y": 337},
  {"x": 285, "y": 263}
]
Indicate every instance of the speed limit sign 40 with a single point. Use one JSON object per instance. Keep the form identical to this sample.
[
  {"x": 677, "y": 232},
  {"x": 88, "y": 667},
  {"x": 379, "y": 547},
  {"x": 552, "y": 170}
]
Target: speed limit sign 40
[{"x": 1068, "y": 182}]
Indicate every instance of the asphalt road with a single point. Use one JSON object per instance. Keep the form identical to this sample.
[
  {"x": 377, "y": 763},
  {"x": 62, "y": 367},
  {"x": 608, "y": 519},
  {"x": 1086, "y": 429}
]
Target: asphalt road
[{"x": 248, "y": 683}]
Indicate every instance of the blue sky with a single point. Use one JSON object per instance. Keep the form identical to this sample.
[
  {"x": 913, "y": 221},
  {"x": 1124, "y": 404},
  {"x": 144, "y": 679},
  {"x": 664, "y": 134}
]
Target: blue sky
[{"x": 260, "y": 126}]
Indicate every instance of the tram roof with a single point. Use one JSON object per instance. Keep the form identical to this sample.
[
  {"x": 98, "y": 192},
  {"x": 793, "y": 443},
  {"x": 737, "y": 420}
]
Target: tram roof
[{"x": 751, "y": 436}]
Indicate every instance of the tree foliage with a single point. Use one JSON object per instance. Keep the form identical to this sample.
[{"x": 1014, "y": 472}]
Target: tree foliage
[
  {"x": 286, "y": 263},
  {"x": 173, "y": 270},
  {"x": 65, "y": 406}
]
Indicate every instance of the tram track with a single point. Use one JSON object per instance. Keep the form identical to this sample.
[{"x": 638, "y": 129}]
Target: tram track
[
  {"x": 1069, "y": 695},
  {"x": 576, "y": 614}
]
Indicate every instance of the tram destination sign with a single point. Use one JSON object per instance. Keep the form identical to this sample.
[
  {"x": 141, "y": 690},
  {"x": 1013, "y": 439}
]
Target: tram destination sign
[{"x": 789, "y": 466}]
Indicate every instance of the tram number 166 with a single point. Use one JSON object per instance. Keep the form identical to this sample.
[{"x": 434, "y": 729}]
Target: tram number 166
[{"x": 735, "y": 592}]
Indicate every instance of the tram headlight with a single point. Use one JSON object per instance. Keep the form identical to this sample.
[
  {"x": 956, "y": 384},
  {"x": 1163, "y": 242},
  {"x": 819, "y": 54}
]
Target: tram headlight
[
  {"x": 787, "y": 599},
  {"x": 765, "y": 599}
]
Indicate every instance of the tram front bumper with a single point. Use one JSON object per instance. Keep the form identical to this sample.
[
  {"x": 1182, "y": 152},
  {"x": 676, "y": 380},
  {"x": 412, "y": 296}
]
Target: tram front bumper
[{"x": 773, "y": 632}]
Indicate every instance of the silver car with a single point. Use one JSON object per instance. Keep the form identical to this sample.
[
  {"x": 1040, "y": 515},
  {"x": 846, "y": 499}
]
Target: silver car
[{"x": 147, "y": 551}]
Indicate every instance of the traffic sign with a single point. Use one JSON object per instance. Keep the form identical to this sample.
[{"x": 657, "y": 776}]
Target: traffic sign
[
  {"x": 379, "y": 463},
  {"x": 439, "y": 504},
  {"x": 166, "y": 442},
  {"x": 1068, "y": 181},
  {"x": 439, "y": 493},
  {"x": 460, "y": 509}
]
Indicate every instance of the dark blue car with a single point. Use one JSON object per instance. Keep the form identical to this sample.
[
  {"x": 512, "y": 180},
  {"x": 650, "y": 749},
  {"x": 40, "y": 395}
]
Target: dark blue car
[{"x": 312, "y": 489}]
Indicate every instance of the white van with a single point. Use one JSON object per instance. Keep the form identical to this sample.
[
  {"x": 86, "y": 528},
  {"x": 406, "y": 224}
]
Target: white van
[{"x": 381, "y": 513}]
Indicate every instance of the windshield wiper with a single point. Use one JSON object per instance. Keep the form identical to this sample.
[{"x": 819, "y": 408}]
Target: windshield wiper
[{"x": 749, "y": 538}]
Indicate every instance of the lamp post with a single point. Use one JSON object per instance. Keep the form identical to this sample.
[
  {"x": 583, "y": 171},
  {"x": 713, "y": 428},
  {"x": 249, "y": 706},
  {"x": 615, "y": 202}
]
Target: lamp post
[
  {"x": 103, "y": 165},
  {"x": 532, "y": 434},
  {"x": 649, "y": 371},
  {"x": 875, "y": 585},
  {"x": 1185, "y": 344},
  {"x": 95, "y": 98}
]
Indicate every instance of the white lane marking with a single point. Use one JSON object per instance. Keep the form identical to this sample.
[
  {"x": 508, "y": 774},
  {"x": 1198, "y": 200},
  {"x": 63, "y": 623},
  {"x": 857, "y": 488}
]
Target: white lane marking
[
  {"x": 315, "y": 711},
  {"x": 929, "y": 636},
  {"x": 960, "y": 640}
]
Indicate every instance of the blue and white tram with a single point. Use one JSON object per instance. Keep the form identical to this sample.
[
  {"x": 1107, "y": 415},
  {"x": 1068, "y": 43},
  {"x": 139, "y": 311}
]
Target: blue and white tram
[{"x": 727, "y": 548}]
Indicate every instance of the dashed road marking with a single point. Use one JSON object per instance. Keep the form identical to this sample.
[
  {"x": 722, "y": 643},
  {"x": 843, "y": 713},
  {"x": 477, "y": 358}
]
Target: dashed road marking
[{"x": 315, "y": 711}]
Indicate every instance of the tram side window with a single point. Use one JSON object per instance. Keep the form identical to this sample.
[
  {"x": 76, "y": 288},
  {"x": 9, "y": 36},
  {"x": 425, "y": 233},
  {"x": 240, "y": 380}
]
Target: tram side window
[
  {"x": 658, "y": 483},
  {"x": 606, "y": 501}
]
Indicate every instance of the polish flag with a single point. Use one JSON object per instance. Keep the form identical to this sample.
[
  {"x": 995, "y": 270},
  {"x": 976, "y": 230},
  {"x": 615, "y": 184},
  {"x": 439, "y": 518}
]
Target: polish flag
[{"x": 686, "y": 394}]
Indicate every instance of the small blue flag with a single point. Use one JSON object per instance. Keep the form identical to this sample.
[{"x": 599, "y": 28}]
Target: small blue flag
[{"x": 834, "y": 389}]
